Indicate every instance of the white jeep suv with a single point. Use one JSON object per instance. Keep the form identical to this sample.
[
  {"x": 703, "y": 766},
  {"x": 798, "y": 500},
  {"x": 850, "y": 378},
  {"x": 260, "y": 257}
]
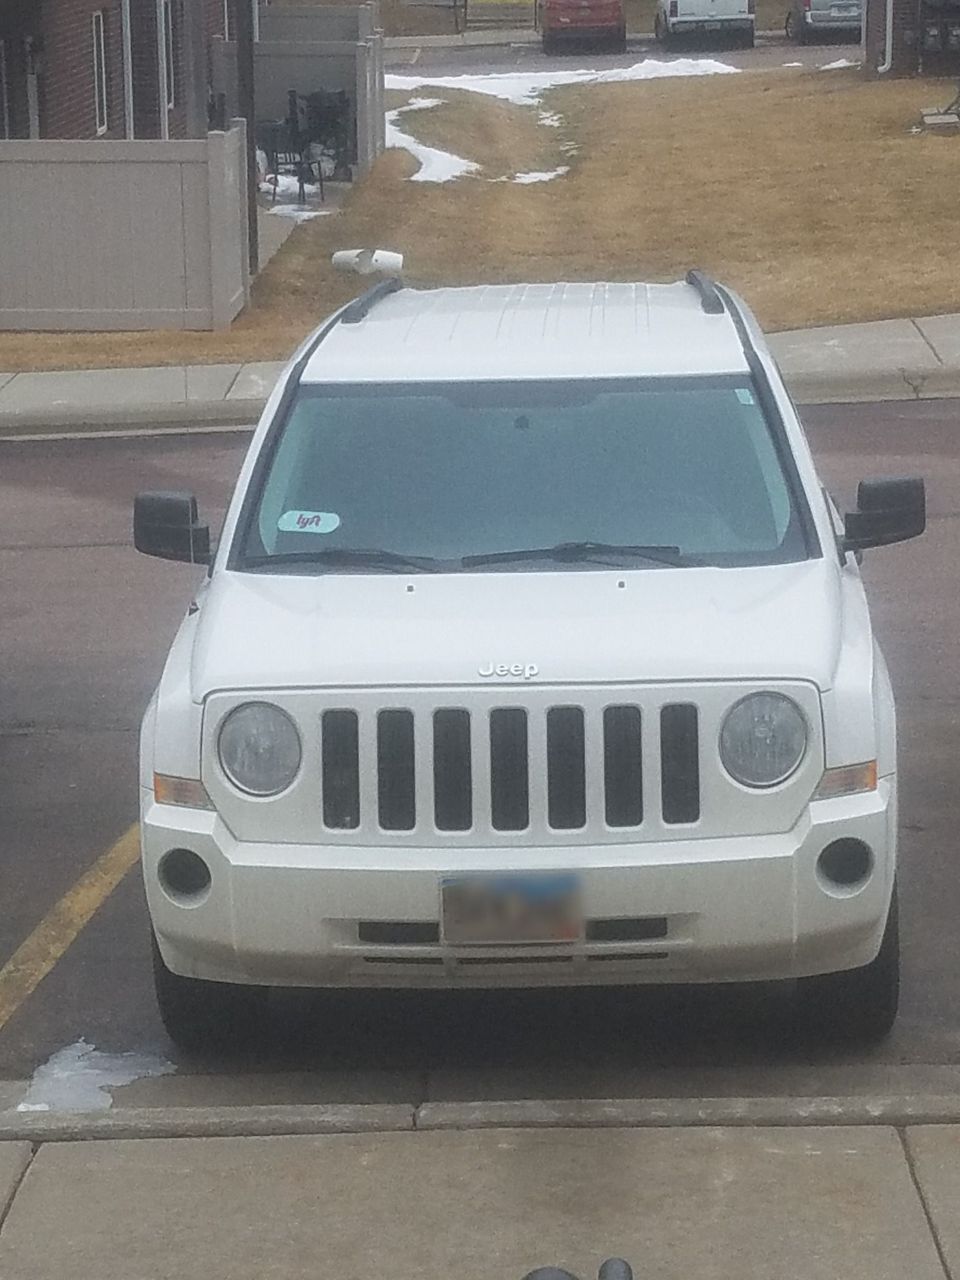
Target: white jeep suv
[{"x": 532, "y": 653}]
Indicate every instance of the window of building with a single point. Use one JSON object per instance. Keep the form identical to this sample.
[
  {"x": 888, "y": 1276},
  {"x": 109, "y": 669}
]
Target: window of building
[
  {"x": 100, "y": 71},
  {"x": 169, "y": 44},
  {"x": 4, "y": 94}
]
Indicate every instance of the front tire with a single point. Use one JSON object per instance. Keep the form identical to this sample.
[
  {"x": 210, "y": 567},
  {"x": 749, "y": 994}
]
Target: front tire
[
  {"x": 199, "y": 1015},
  {"x": 858, "y": 1006}
]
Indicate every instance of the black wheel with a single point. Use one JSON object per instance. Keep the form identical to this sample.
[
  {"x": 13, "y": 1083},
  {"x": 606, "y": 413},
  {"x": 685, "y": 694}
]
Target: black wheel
[
  {"x": 747, "y": 39},
  {"x": 858, "y": 1006},
  {"x": 549, "y": 44},
  {"x": 201, "y": 1015},
  {"x": 618, "y": 43}
]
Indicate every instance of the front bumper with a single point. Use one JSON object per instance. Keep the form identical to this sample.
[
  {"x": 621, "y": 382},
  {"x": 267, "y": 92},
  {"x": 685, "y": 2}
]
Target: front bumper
[
  {"x": 716, "y": 26},
  {"x": 815, "y": 21},
  {"x": 750, "y": 909}
]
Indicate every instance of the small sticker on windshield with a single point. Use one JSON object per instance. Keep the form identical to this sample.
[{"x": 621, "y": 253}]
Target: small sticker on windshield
[
  {"x": 308, "y": 522},
  {"x": 745, "y": 395}
]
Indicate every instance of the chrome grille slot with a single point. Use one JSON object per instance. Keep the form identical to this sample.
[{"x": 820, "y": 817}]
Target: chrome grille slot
[
  {"x": 509, "y": 769},
  {"x": 679, "y": 763},
  {"x": 566, "y": 769},
  {"x": 340, "y": 765},
  {"x": 452, "y": 770},
  {"x": 396, "y": 776}
]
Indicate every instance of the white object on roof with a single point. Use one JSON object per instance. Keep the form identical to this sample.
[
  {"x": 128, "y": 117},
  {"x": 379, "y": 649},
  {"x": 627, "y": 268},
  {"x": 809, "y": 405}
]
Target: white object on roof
[{"x": 530, "y": 331}]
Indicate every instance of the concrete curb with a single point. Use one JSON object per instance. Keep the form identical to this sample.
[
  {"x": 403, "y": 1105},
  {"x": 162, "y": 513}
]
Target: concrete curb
[
  {"x": 204, "y": 1122},
  {"x": 813, "y": 387},
  {"x": 639, "y": 1113},
  {"x": 183, "y": 413}
]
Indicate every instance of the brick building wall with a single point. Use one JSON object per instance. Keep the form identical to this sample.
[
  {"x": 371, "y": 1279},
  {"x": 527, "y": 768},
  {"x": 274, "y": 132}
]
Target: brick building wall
[
  {"x": 19, "y": 19},
  {"x": 926, "y": 37},
  {"x": 69, "y": 92},
  {"x": 67, "y": 85},
  {"x": 905, "y": 19}
]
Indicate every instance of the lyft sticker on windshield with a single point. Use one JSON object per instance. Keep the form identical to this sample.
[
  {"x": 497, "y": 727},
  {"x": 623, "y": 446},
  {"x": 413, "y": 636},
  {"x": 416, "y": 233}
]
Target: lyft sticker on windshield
[{"x": 308, "y": 522}]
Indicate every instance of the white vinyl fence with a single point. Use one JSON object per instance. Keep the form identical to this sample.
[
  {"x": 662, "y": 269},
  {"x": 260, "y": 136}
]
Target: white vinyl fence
[{"x": 106, "y": 235}]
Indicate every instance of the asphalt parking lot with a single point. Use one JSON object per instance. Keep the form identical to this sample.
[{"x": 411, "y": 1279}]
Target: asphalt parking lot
[{"x": 84, "y": 628}]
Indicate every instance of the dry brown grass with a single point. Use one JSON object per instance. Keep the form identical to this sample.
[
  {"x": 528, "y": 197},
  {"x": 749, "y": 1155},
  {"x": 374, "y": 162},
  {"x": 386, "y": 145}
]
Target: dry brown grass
[
  {"x": 805, "y": 191},
  {"x": 501, "y": 136}
]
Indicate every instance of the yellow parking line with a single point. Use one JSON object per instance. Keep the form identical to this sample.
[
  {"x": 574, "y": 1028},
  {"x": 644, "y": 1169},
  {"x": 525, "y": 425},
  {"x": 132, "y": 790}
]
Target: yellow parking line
[{"x": 59, "y": 928}]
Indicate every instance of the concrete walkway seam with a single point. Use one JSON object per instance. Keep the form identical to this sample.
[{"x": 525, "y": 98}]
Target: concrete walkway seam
[
  {"x": 924, "y": 1203},
  {"x": 651, "y": 1113}
]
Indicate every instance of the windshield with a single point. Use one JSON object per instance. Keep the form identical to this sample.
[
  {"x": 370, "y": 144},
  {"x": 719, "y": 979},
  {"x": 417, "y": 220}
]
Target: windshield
[{"x": 507, "y": 477}]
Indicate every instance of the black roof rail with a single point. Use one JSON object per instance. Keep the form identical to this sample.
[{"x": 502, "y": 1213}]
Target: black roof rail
[
  {"x": 355, "y": 311},
  {"x": 710, "y": 300}
]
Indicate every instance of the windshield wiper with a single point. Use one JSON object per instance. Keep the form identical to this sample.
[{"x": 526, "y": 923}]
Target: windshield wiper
[
  {"x": 358, "y": 557},
  {"x": 572, "y": 552}
]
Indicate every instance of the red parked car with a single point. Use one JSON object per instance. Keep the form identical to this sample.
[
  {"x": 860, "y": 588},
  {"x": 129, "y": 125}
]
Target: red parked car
[{"x": 562, "y": 20}]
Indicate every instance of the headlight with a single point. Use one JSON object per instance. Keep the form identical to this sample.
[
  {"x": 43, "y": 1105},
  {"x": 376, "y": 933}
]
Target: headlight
[
  {"x": 259, "y": 749},
  {"x": 763, "y": 739}
]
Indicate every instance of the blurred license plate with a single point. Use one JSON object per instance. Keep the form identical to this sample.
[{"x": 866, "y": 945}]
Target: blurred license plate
[{"x": 480, "y": 910}]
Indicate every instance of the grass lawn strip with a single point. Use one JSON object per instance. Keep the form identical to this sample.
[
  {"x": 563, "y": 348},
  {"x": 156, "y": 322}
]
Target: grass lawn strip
[{"x": 805, "y": 191}]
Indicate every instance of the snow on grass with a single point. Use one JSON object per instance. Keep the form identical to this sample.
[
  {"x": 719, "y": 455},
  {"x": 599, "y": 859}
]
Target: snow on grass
[
  {"x": 526, "y": 178},
  {"x": 839, "y": 65},
  {"x": 298, "y": 213},
  {"x": 527, "y": 89},
  {"x": 435, "y": 165}
]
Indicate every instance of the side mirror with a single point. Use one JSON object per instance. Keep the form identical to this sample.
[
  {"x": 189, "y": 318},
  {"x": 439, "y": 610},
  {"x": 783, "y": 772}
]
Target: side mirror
[
  {"x": 167, "y": 525},
  {"x": 887, "y": 511}
]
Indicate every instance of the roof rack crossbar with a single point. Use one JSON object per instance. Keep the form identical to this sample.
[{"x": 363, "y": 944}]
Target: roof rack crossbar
[
  {"x": 360, "y": 307},
  {"x": 710, "y": 301}
]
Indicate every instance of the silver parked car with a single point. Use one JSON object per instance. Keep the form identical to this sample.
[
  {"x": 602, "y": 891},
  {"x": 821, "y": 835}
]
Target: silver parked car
[{"x": 807, "y": 19}]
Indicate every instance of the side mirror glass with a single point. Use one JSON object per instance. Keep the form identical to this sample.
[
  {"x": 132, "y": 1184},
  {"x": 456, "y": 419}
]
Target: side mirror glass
[
  {"x": 887, "y": 511},
  {"x": 167, "y": 525}
]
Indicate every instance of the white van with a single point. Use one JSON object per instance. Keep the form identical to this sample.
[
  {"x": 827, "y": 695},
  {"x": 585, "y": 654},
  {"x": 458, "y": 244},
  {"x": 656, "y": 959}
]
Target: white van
[{"x": 732, "y": 18}]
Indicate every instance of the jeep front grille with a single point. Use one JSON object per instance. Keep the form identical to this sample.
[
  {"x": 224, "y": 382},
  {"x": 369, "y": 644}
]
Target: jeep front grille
[{"x": 562, "y": 767}]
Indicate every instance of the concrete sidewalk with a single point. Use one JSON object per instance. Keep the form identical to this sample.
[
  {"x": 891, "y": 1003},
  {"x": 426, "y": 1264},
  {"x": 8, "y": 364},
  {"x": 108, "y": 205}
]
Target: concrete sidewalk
[
  {"x": 884, "y": 360},
  {"x": 755, "y": 1204}
]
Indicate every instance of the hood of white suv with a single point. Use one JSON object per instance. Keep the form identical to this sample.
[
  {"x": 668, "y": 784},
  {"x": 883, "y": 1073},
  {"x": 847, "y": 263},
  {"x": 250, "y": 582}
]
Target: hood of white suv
[{"x": 261, "y": 631}]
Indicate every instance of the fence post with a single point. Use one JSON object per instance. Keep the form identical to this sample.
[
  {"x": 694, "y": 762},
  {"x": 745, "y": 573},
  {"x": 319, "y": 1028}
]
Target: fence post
[
  {"x": 222, "y": 231},
  {"x": 363, "y": 55},
  {"x": 244, "y": 179}
]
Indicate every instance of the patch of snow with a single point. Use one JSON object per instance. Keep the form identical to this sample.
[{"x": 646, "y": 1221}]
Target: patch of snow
[
  {"x": 423, "y": 104},
  {"x": 839, "y": 64},
  {"x": 526, "y": 178},
  {"x": 298, "y": 213},
  {"x": 793, "y": 64},
  {"x": 527, "y": 89},
  {"x": 77, "y": 1077},
  {"x": 551, "y": 119},
  {"x": 286, "y": 184},
  {"x": 435, "y": 165}
]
